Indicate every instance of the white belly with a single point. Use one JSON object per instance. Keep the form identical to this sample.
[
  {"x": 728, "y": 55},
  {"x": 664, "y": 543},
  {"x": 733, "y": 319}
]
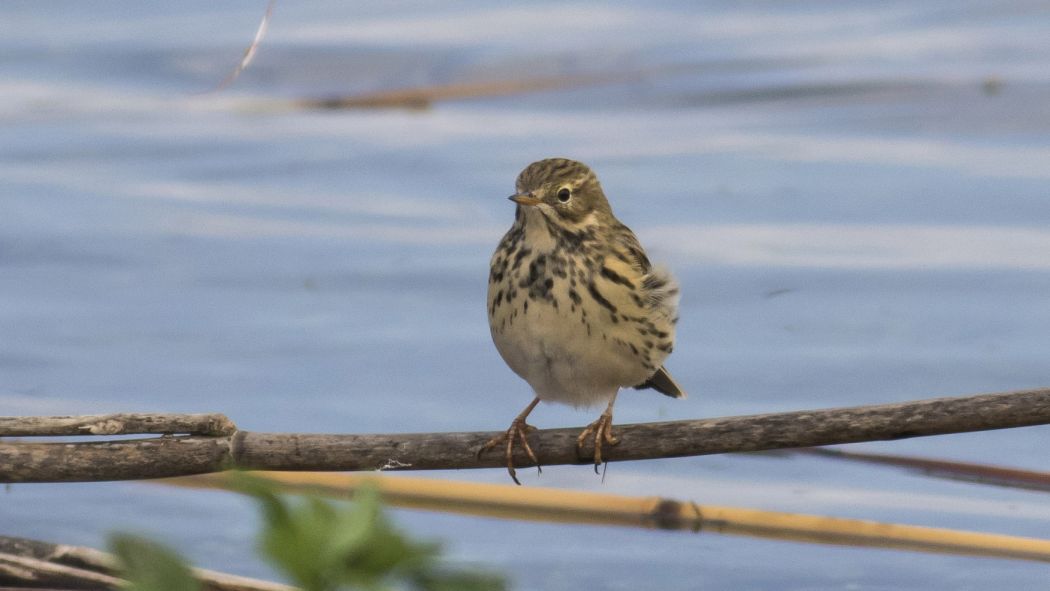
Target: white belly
[{"x": 552, "y": 351}]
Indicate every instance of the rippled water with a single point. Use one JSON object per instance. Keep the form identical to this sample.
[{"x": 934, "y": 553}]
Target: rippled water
[{"x": 854, "y": 197}]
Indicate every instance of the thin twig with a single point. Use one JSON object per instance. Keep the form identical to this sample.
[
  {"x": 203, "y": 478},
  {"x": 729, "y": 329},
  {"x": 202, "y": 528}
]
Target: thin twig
[{"x": 965, "y": 471}]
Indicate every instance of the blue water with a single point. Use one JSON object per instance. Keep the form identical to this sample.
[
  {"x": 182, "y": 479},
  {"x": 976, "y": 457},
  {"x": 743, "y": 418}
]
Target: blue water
[{"x": 855, "y": 198}]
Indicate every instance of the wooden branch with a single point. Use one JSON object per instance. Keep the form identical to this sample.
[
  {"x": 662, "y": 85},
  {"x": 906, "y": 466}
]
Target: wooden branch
[
  {"x": 183, "y": 455},
  {"x": 35, "y": 563},
  {"x": 129, "y": 459},
  {"x": 118, "y": 424},
  {"x": 33, "y": 572}
]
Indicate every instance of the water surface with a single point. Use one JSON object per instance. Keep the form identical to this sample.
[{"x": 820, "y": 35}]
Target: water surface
[{"x": 853, "y": 196}]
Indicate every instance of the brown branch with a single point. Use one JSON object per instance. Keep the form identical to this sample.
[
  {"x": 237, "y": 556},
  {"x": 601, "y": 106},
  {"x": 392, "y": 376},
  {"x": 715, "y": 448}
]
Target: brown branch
[
  {"x": 117, "y": 424},
  {"x": 36, "y": 573},
  {"x": 183, "y": 455},
  {"x": 35, "y": 563},
  {"x": 422, "y": 97},
  {"x": 965, "y": 471}
]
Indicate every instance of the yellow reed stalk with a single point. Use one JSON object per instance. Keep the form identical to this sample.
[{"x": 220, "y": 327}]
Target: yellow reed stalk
[{"x": 567, "y": 506}]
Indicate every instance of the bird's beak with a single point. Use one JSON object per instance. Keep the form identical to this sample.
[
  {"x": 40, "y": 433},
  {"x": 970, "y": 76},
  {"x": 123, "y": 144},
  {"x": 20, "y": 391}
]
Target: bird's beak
[{"x": 525, "y": 199}]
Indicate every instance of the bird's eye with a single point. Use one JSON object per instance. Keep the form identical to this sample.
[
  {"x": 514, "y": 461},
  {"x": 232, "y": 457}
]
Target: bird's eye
[{"x": 564, "y": 194}]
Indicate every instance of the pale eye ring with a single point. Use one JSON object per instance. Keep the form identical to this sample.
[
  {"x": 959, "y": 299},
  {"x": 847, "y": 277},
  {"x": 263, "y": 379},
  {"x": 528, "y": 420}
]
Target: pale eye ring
[{"x": 564, "y": 194}]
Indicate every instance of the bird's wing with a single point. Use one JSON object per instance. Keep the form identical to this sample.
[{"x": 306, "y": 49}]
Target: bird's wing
[
  {"x": 655, "y": 286},
  {"x": 621, "y": 275},
  {"x": 642, "y": 302},
  {"x": 629, "y": 250}
]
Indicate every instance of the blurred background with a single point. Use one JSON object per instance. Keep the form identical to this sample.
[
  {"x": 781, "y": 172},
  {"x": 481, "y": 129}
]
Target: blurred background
[{"x": 853, "y": 195}]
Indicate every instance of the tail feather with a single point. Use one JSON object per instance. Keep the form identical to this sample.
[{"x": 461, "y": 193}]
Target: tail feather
[{"x": 662, "y": 382}]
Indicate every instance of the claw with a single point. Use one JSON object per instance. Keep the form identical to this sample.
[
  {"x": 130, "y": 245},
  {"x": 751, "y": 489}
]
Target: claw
[
  {"x": 602, "y": 430},
  {"x": 518, "y": 429}
]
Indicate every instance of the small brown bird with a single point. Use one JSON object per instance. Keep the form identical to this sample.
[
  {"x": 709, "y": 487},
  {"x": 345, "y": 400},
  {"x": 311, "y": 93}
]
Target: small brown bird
[{"x": 575, "y": 308}]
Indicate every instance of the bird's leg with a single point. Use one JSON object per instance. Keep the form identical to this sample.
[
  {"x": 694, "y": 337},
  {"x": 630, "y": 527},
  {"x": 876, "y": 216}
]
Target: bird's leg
[
  {"x": 518, "y": 429},
  {"x": 602, "y": 429}
]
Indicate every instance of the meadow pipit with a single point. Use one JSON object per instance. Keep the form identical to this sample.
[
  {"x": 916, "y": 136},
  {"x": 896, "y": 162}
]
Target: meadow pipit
[{"x": 575, "y": 307}]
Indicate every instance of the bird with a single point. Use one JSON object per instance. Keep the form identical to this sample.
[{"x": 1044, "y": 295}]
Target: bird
[{"x": 575, "y": 308}]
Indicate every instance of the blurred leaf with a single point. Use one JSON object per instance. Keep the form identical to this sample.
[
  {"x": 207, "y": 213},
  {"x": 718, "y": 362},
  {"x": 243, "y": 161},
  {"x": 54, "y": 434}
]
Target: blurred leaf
[
  {"x": 149, "y": 566},
  {"x": 323, "y": 546}
]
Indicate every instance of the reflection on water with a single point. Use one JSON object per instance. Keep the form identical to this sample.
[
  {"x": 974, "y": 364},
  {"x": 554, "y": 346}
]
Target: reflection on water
[{"x": 853, "y": 197}]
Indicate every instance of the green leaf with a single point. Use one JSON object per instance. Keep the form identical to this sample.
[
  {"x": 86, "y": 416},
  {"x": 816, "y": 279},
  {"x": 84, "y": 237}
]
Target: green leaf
[
  {"x": 324, "y": 546},
  {"x": 149, "y": 566}
]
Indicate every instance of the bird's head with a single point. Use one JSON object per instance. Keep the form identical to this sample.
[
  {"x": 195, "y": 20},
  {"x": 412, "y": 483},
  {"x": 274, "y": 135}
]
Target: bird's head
[{"x": 563, "y": 190}]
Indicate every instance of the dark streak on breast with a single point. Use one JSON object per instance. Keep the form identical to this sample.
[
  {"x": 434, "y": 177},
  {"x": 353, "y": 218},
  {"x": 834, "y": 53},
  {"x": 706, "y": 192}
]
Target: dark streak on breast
[{"x": 598, "y": 297}]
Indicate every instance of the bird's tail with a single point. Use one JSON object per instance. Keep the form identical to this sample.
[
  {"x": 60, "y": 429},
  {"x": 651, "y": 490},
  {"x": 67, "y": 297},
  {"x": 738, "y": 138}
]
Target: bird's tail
[{"x": 662, "y": 382}]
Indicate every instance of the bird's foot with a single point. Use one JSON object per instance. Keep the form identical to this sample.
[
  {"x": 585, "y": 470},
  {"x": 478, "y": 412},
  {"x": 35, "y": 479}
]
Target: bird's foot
[
  {"x": 602, "y": 430},
  {"x": 519, "y": 430}
]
